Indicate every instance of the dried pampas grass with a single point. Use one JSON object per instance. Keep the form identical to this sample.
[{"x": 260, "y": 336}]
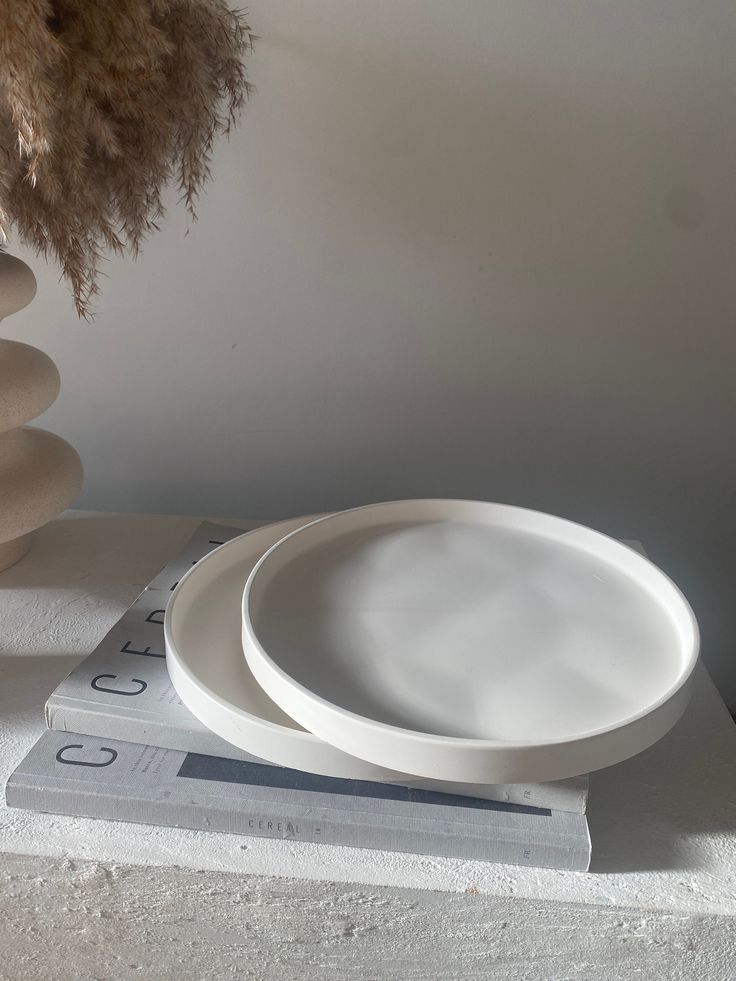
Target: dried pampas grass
[{"x": 102, "y": 104}]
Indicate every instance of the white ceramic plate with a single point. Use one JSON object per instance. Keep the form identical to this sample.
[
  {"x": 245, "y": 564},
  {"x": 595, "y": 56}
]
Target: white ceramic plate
[
  {"x": 469, "y": 641},
  {"x": 204, "y": 655}
]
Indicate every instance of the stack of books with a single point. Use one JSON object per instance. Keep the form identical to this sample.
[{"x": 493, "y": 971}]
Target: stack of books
[{"x": 120, "y": 745}]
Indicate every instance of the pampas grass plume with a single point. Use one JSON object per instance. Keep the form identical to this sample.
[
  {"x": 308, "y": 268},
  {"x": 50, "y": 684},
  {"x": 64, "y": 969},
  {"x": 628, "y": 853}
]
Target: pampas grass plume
[{"x": 103, "y": 104}]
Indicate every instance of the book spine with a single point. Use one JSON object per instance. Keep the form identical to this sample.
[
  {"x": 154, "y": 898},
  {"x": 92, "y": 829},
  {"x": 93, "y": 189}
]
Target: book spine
[
  {"x": 69, "y": 714},
  {"x": 333, "y": 827},
  {"x": 569, "y": 796},
  {"x": 555, "y": 796}
]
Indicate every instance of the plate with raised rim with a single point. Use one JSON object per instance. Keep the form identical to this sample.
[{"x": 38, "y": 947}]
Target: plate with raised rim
[
  {"x": 464, "y": 640},
  {"x": 204, "y": 656}
]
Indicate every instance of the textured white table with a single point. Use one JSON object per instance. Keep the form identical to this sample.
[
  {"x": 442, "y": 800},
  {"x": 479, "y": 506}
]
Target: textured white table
[{"x": 93, "y": 899}]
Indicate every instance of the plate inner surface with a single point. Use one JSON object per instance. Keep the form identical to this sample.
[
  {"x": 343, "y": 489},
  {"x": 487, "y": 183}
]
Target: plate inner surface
[{"x": 468, "y": 630}]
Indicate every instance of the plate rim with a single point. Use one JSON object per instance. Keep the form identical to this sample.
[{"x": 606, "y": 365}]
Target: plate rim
[
  {"x": 276, "y": 681},
  {"x": 172, "y": 652}
]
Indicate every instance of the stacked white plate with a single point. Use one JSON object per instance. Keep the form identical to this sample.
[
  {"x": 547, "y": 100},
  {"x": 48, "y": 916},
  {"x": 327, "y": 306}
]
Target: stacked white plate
[{"x": 444, "y": 643}]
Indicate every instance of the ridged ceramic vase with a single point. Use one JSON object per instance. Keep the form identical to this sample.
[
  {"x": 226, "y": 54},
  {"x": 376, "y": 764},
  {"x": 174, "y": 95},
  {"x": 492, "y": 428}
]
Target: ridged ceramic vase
[{"x": 40, "y": 473}]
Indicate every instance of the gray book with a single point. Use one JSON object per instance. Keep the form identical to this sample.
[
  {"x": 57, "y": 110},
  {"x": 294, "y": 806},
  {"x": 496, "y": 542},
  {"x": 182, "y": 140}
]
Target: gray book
[
  {"x": 122, "y": 690},
  {"x": 89, "y": 776}
]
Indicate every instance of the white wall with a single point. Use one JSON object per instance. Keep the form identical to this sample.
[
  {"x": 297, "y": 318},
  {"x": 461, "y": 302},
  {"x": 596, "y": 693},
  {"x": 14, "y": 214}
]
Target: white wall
[{"x": 479, "y": 248}]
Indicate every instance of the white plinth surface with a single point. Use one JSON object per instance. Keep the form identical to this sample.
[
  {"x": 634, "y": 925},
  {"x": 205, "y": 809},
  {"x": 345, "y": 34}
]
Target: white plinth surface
[{"x": 663, "y": 825}]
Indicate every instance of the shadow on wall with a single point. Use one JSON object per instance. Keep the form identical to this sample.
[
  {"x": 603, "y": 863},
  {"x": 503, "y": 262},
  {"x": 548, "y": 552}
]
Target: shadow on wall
[
  {"x": 568, "y": 195},
  {"x": 574, "y": 348}
]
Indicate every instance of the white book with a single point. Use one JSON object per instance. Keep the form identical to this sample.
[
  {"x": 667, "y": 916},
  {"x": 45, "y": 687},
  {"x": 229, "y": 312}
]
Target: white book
[
  {"x": 99, "y": 777},
  {"x": 122, "y": 690}
]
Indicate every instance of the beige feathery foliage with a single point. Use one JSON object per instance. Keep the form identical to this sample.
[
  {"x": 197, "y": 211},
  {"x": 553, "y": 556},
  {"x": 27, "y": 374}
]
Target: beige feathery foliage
[{"x": 103, "y": 103}]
